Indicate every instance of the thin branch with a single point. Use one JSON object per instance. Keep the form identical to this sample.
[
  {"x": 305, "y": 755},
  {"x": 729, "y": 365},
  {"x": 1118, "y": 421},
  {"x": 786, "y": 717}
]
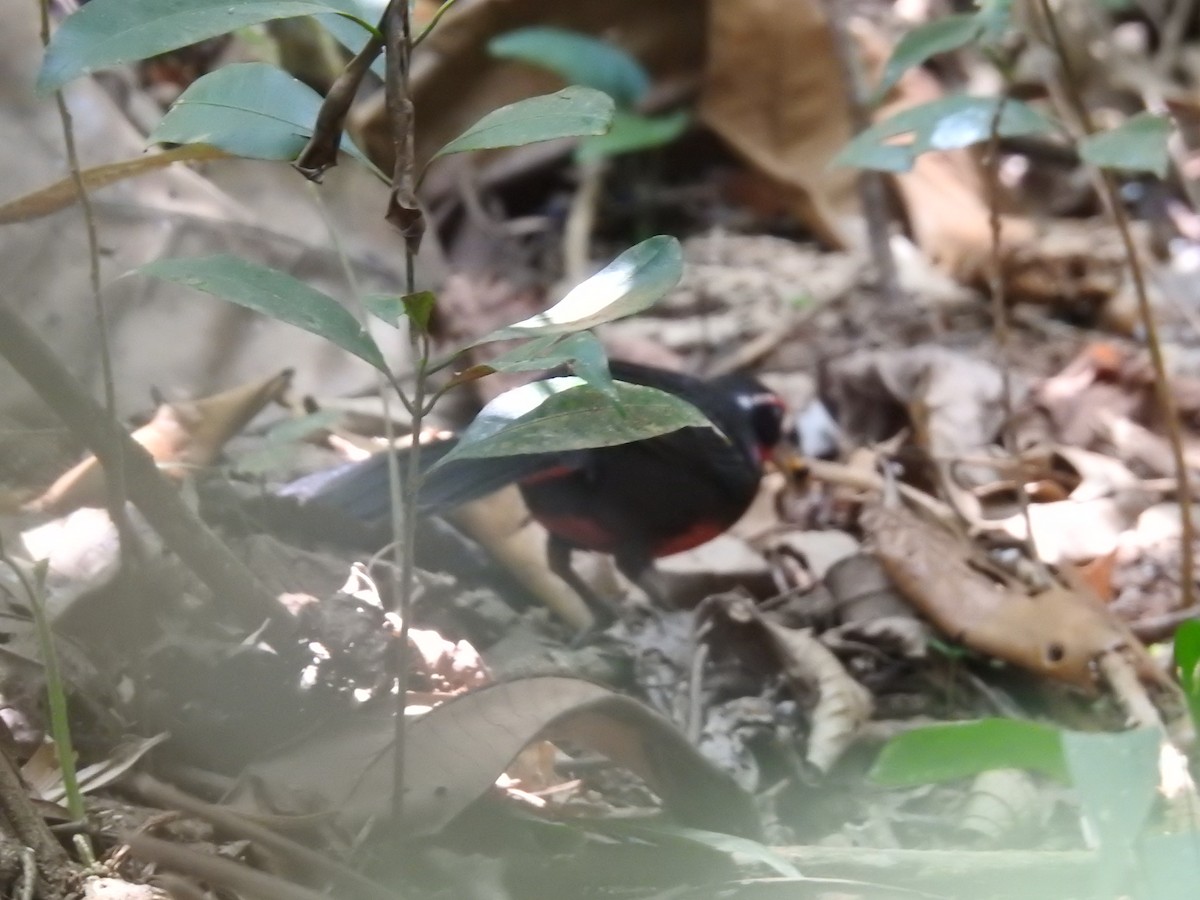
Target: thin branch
[
  {"x": 114, "y": 477},
  {"x": 405, "y": 213},
  {"x": 997, "y": 287}
]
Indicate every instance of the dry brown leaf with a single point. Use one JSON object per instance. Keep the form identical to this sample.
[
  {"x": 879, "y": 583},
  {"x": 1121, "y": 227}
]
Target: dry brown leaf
[
  {"x": 181, "y": 437},
  {"x": 455, "y": 753},
  {"x": 62, "y": 193},
  {"x": 502, "y": 524},
  {"x": 1059, "y": 633},
  {"x": 842, "y": 704},
  {"x": 780, "y": 107}
]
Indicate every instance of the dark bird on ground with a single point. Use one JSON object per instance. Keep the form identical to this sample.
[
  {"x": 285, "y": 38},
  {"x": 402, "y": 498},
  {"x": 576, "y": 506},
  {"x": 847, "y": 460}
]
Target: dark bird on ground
[{"x": 637, "y": 501}]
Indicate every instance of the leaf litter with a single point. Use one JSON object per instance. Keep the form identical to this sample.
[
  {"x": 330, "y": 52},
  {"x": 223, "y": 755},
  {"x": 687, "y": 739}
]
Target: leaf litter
[{"x": 883, "y": 587}]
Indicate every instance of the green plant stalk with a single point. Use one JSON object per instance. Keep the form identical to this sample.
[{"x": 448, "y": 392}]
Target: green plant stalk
[
  {"x": 399, "y": 44},
  {"x": 437, "y": 17},
  {"x": 1162, "y": 390},
  {"x": 60, "y": 723}
]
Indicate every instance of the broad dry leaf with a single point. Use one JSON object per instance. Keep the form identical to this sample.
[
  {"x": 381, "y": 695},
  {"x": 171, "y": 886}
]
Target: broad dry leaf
[
  {"x": 843, "y": 705},
  {"x": 1059, "y": 633},
  {"x": 774, "y": 90},
  {"x": 501, "y": 523},
  {"x": 455, "y": 753}
]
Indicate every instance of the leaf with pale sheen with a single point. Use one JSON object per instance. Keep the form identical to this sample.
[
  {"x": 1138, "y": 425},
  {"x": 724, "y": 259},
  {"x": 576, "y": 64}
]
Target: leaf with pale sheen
[
  {"x": 631, "y": 283},
  {"x": 567, "y": 413},
  {"x": 112, "y": 32},
  {"x": 274, "y": 294},
  {"x": 950, "y": 123},
  {"x": 572, "y": 112}
]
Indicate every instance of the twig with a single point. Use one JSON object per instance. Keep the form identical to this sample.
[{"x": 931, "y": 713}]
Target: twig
[
  {"x": 577, "y": 235},
  {"x": 871, "y": 189},
  {"x": 1162, "y": 388},
  {"x": 27, "y": 825},
  {"x": 218, "y": 871},
  {"x": 233, "y": 824},
  {"x": 997, "y": 287}
]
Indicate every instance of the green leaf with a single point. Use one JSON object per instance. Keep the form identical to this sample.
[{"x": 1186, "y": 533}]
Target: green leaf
[
  {"x": 572, "y": 112},
  {"x": 925, "y": 41},
  {"x": 248, "y": 109},
  {"x": 111, "y": 32},
  {"x": 963, "y": 749},
  {"x": 1116, "y": 777},
  {"x": 1137, "y": 145},
  {"x": 1187, "y": 655},
  {"x": 392, "y": 308},
  {"x": 566, "y": 413},
  {"x": 582, "y": 352},
  {"x": 273, "y": 293},
  {"x": 578, "y": 59},
  {"x": 946, "y": 124},
  {"x": 632, "y": 282},
  {"x": 631, "y": 132}
]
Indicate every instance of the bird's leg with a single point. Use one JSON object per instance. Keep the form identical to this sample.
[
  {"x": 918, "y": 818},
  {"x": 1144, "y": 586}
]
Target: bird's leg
[{"x": 558, "y": 555}]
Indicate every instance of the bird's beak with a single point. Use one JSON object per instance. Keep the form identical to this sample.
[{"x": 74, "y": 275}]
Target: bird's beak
[{"x": 787, "y": 459}]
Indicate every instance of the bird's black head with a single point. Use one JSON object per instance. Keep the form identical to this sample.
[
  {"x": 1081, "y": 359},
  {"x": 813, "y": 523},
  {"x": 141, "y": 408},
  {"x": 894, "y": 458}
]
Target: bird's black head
[{"x": 762, "y": 408}]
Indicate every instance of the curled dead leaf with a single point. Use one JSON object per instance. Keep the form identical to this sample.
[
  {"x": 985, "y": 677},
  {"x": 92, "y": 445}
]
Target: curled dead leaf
[
  {"x": 181, "y": 437},
  {"x": 1059, "y": 633},
  {"x": 455, "y": 752}
]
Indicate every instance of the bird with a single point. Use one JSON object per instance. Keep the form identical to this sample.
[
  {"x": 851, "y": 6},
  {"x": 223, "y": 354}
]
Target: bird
[{"x": 637, "y": 501}]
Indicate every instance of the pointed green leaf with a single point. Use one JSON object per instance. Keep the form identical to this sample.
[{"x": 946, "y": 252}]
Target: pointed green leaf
[
  {"x": 632, "y": 282},
  {"x": 579, "y": 59},
  {"x": 572, "y": 112},
  {"x": 938, "y": 36},
  {"x": 272, "y": 293},
  {"x": 111, "y": 32},
  {"x": 248, "y": 109},
  {"x": 631, "y": 132},
  {"x": 946, "y": 124},
  {"x": 1137, "y": 145},
  {"x": 566, "y": 413},
  {"x": 1187, "y": 664},
  {"x": 963, "y": 749}
]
